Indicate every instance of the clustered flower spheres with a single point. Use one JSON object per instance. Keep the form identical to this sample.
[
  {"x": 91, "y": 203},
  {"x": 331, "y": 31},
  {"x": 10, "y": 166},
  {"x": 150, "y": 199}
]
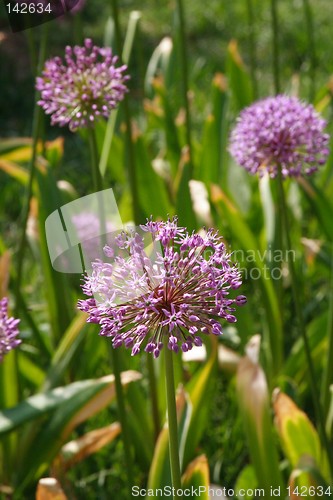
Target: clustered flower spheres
[
  {"x": 83, "y": 88},
  {"x": 279, "y": 132},
  {"x": 167, "y": 295},
  {"x": 8, "y": 330}
]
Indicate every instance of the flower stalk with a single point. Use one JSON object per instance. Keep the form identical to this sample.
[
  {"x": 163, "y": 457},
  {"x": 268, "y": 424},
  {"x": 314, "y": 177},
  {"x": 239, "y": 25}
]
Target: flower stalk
[
  {"x": 98, "y": 186},
  {"x": 153, "y": 395},
  {"x": 172, "y": 421}
]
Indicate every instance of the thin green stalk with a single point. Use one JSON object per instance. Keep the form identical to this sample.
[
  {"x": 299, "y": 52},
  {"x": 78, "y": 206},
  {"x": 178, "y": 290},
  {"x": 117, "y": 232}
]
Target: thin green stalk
[
  {"x": 328, "y": 373},
  {"x": 275, "y": 35},
  {"x": 301, "y": 325},
  {"x": 172, "y": 421},
  {"x": 278, "y": 246},
  {"x": 97, "y": 178},
  {"x": 311, "y": 46},
  {"x": 98, "y": 186},
  {"x": 153, "y": 395},
  {"x": 130, "y": 145},
  {"x": 184, "y": 81},
  {"x": 32, "y": 166},
  {"x": 252, "y": 47}
]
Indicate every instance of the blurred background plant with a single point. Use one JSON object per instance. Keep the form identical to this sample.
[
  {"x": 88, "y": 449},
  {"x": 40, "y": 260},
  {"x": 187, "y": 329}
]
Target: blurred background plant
[{"x": 57, "y": 390}]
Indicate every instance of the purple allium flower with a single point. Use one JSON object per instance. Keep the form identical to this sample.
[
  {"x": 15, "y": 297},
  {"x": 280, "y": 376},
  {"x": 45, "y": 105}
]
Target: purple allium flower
[
  {"x": 168, "y": 292},
  {"x": 8, "y": 330},
  {"x": 85, "y": 87},
  {"x": 279, "y": 132}
]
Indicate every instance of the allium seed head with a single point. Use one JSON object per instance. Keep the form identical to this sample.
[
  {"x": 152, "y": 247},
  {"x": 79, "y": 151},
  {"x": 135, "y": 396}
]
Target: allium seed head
[
  {"x": 83, "y": 88},
  {"x": 279, "y": 132},
  {"x": 166, "y": 293},
  {"x": 8, "y": 330}
]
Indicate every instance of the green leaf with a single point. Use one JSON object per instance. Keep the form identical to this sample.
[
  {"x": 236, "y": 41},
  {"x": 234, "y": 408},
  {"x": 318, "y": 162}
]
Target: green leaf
[
  {"x": 215, "y": 127},
  {"x": 69, "y": 406},
  {"x": 57, "y": 284},
  {"x": 184, "y": 206},
  {"x": 167, "y": 124},
  {"x": 295, "y": 366},
  {"x": 239, "y": 79},
  {"x": 247, "y": 480},
  {"x": 65, "y": 351},
  {"x": 320, "y": 204},
  {"x": 112, "y": 121},
  {"x": 29, "y": 370},
  {"x": 159, "y": 64},
  {"x": 151, "y": 189}
]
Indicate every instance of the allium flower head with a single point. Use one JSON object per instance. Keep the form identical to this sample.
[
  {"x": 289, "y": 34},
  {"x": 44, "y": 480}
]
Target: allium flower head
[
  {"x": 168, "y": 292},
  {"x": 8, "y": 330},
  {"x": 86, "y": 86},
  {"x": 279, "y": 132}
]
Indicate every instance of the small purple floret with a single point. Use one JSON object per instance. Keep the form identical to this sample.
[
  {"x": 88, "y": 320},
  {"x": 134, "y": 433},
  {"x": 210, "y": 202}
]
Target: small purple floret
[
  {"x": 279, "y": 132},
  {"x": 8, "y": 330},
  {"x": 83, "y": 88},
  {"x": 184, "y": 289}
]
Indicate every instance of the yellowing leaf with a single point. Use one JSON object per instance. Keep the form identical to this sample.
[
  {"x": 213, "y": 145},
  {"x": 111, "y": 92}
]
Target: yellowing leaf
[
  {"x": 196, "y": 476},
  {"x": 298, "y": 436},
  {"x": 14, "y": 170}
]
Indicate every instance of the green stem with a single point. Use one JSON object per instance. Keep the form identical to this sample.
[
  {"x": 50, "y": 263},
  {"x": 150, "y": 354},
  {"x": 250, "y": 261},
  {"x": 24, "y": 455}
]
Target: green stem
[
  {"x": 278, "y": 246},
  {"x": 275, "y": 58},
  {"x": 252, "y": 48},
  {"x": 301, "y": 325},
  {"x": 37, "y": 113},
  {"x": 312, "y": 47},
  {"x": 184, "y": 81},
  {"x": 153, "y": 395},
  {"x": 328, "y": 373},
  {"x": 97, "y": 178},
  {"x": 172, "y": 421},
  {"x": 130, "y": 145},
  {"x": 98, "y": 186}
]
